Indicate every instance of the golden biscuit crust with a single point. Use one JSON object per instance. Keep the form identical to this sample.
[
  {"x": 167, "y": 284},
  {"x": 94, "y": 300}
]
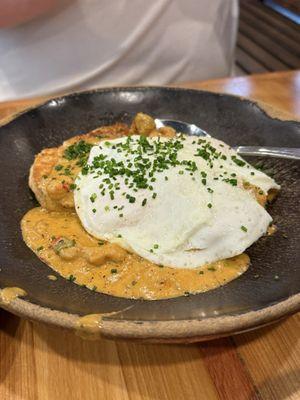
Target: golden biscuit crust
[{"x": 54, "y": 170}]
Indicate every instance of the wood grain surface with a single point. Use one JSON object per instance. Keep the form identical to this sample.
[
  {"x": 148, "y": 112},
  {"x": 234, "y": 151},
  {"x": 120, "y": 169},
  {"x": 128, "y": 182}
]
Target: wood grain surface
[{"x": 38, "y": 362}]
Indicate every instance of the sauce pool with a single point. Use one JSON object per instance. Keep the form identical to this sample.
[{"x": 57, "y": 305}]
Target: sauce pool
[{"x": 60, "y": 241}]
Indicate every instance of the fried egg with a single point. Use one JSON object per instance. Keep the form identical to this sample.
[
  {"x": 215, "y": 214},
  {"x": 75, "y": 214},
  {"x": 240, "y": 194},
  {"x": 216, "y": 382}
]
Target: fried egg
[{"x": 179, "y": 202}]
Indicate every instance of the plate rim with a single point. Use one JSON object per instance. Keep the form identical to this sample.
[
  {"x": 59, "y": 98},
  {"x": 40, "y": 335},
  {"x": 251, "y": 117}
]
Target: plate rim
[
  {"x": 270, "y": 111},
  {"x": 171, "y": 331}
]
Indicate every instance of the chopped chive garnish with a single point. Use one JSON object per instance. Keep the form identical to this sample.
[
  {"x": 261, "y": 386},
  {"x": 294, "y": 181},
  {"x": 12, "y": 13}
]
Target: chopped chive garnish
[
  {"x": 93, "y": 197},
  {"x": 238, "y": 161},
  {"x": 142, "y": 159},
  {"x": 211, "y": 268}
]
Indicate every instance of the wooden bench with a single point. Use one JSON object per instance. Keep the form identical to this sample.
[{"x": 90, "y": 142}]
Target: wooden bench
[{"x": 267, "y": 41}]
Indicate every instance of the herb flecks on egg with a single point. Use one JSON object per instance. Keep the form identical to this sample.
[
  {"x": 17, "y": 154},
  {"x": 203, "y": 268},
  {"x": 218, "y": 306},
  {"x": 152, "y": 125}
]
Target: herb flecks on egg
[
  {"x": 185, "y": 194},
  {"x": 152, "y": 157}
]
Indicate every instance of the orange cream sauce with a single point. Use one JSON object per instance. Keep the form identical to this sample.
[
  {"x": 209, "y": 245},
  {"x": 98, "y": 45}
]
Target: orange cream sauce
[
  {"x": 59, "y": 240},
  {"x": 89, "y": 326},
  {"x": 7, "y": 295}
]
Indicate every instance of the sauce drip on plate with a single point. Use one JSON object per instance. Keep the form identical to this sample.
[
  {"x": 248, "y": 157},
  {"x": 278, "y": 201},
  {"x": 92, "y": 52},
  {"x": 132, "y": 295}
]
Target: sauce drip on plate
[{"x": 7, "y": 295}]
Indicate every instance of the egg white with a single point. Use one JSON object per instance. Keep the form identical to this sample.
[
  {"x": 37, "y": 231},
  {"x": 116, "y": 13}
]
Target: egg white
[{"x": 188, "y": 223}]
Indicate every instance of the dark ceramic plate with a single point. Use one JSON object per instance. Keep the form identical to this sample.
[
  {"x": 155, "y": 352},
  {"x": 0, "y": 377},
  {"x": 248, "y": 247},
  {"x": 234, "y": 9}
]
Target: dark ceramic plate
[{"x": 269, "y": 290}]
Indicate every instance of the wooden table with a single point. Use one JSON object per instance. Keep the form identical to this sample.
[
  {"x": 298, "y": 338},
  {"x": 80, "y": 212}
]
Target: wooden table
[{"x": 40, "y": 362}]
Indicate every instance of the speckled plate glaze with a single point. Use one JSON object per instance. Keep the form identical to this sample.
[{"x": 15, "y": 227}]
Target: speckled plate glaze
[{"x": 269, "y": 290}]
